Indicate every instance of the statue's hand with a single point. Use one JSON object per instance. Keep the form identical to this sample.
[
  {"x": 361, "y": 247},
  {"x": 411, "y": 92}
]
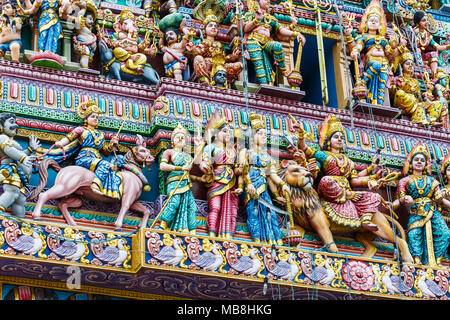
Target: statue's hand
[
  {"x": 409, "y": 200},
  {"x": 301, "y": 39},
  {"x": 28, "y": 161},
  {"x": 33, "y": 143},
  {"x": 251, "y": 190},
  {"x": 187, "y": 167},
  {"x": 285, "y": 189}
]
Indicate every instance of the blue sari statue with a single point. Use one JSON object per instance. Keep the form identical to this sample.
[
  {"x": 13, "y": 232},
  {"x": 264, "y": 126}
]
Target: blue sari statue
[
  {"x": 87, "y": 143},
  {"x": 261, "y": 220},
  {"x": 428, "y": 234},
  {"x": 49, "y": 26}
]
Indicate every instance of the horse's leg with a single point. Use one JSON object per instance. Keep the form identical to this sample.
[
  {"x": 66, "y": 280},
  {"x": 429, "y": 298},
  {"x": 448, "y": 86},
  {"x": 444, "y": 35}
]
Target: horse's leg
[
  {"x": 63, "y": 186},
  {"x": 321, "y": 225},
  {"x": 139, "y": 208},
  {"x": 385, "y": 231},
  {"x": 128, "y": 198},
  {"x": 69, "y": 202},
  {"x": 366, "y": 238}
]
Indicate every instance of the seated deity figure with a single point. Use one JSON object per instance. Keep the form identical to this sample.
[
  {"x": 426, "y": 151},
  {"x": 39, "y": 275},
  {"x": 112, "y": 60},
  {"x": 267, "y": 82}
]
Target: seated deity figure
[
  {"x": 209, "y": 55},
  {"x": 377, "y": 50},
  {"x": 342, "y": 204},
  {"x": 427, "y": 233},
  {"x": 408, "y": 96},
  {"x": 10, "y": 28},
  {"x": 127, "y": 46},
  {"x": 427, "y": 47},
  {"x": 260, "y": 27}
]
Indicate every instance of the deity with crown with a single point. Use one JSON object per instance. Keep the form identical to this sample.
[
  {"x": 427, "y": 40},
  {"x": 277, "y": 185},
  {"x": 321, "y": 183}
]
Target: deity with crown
[
  {"x": 260, "y": 170},
  {"x": 428, "y": 234},
  {"x": 180, "y": 211},
  {"x": 209, "y": 55},
  {"x": 218, "y": 160},
  {"x": 87, "y": 144},
  {"x": 377, "y": 50},
  {"x": 408, "y": 98},
  {"x": 260, "y": 27},
  {"x": 127, "y": 46},
  {"x": 343, "y": 205}
]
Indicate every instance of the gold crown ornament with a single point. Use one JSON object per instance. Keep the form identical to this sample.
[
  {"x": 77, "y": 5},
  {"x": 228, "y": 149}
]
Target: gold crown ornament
[
  {"x": 329, "y": 126},
  {"x": 256, "y": 121},
  {"x": 216, "y": 121},
  {"x": 179, "y": 129},
  {"x": 208, "y": 11},
  {"x": 91, "y": 7},
  {"x": 405, "y": 56},
  {"x": 419, "y": 148},
  {"x": 125, "y": 15},
  {"x": 85, "y": 109},
  {"x": 374, "y": 8}
]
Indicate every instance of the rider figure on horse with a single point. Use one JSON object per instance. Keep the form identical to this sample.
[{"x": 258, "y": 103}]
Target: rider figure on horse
[{"x": 90, "y": 144}]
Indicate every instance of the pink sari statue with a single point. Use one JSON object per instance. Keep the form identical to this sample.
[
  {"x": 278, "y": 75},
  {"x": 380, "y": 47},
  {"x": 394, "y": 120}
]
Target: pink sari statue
[{"x": 218, "y": 161}]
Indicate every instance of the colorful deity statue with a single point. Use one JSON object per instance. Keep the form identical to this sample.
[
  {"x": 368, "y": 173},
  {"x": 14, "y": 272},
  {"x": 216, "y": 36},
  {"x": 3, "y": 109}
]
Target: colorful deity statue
[
  {"x": 15, "y": 166},
  {"x": 180, "y": 211},
  {"x": 426, "y": 45},
  {"x": 88, "y": 144},
  {"x": 428, "y": 234},
  {"x": 50, "y": 29},
  {"x": 343, "y": 205},
  {"x": 219, "y": 159},
  {"x": 260, "y": 27},
  {"x": 408, "y": 96},
  {"x": 155, "y": 9},
  {"x": 377, "y": 50},
  {"x": 10, "y": 27},
  {"x": 260, "y": 169},
  {"x": 209, "y": 55},
  {"x": 445, "y": 191},
  {"x": 173, "y": 45},
  {"x": 85, "y": 41}
]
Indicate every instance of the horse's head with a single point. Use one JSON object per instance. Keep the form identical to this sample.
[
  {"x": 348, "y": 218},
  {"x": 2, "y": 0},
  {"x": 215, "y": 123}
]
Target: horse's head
[
  {"x": 295, "y": 175},
  {"x": 141, "y": 154}
]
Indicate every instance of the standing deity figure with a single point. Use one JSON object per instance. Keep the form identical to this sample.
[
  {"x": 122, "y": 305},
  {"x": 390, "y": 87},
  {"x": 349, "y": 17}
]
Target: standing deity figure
[
  {"x": 408, "y": 96},
  {"x": 10, "y": 26},
  {"x": 15, "y": 166},
  {"x": 127, "y": 46},
  {"x": 260, "y": 27},
  {"x": 173, "y": 45},
  {"x": 426, "y": 45},
  {"x": 259, "y": 171},
  {"x": 88, "y": 144},
  {"x": 180, "y": 211},
  {"x": 49, "y": 26},
  {"x": 343, "y": 205},
  {"x": 209, "y": 55},
  {"x": 85, "y": 41},
  {"x": 445, "y": 191},
  {"x": 377, "y": 52},
  {"x": 218, "y": 160},
  {"x": 428, "y": 234}
]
